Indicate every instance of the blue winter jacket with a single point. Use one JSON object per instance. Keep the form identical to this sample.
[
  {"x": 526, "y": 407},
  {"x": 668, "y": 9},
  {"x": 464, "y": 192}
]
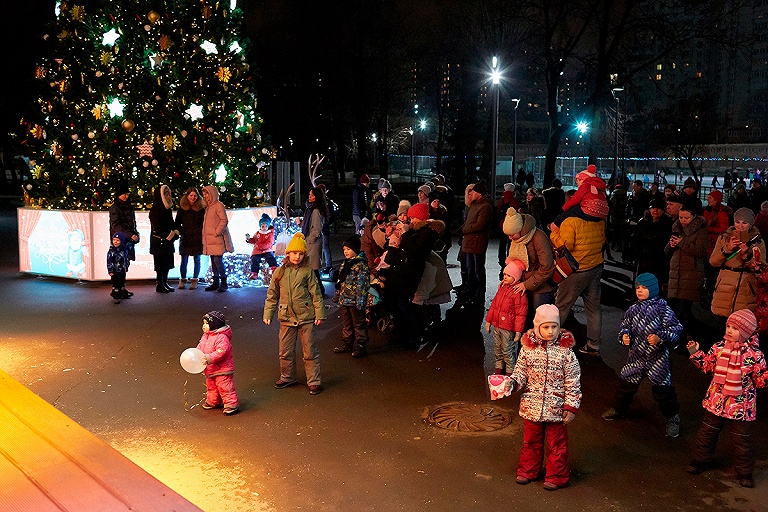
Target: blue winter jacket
[{"x": 645, "y": 317}]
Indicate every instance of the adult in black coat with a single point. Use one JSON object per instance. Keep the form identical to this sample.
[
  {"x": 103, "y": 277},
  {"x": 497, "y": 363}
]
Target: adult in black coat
[
  {"x": 164, "y": 233},
  {"x": 651, "y": 236},
  {"x": 122, "y": 219},
  {"x": 189, "y": 222}
]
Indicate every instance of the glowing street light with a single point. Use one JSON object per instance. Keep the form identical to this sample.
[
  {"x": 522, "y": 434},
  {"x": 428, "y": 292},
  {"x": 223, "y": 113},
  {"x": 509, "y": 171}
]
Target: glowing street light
[
  {"x": 582, "y": 127},
  {"x": 495, "y": 80}
]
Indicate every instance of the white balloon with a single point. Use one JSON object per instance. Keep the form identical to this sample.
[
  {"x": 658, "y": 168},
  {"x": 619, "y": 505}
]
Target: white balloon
[{"x": 192, "y": 360}]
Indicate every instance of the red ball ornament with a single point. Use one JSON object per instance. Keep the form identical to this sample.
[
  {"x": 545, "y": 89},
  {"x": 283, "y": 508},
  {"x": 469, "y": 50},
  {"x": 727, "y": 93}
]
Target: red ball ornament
[
  {"x": 114, "y": 141},
  {"x": 247, "y": 150},
  {"x": 175, "y": 175}
]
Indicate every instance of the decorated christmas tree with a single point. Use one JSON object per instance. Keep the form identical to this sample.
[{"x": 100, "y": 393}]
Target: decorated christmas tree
[{"x": 144, "y": 92}]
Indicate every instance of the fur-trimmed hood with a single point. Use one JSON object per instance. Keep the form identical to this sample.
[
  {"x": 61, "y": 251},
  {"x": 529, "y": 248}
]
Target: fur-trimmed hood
[
  {"x": 160, "y": 196},
  {"x": 565, "y": 340},
  {"x": 198, "y": 205}
]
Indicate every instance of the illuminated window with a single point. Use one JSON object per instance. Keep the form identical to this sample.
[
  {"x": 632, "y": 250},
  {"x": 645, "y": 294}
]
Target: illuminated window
[
  {"x": 698, "y": 74},
  {"x": 658, "y": 77},
  {"x": 658, "y": 67}
]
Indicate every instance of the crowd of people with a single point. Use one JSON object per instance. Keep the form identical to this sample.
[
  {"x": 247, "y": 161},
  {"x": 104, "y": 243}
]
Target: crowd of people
[{"x": 552, "y": 246}]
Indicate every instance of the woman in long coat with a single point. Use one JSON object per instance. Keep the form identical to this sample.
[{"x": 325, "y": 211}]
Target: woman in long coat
[
  {"x": 312, "y": 227},
  {"x": 736, "y": 286},
  {"x": 189, "y": 221},
  {"x": 687, "y": 249},
  {"x": 216, "y": 239},
  {"x": 164, "y": 233}
]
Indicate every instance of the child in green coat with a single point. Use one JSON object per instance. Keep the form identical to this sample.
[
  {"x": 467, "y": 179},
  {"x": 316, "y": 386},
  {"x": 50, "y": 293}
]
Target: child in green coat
[{"x": 295, "y": 293}]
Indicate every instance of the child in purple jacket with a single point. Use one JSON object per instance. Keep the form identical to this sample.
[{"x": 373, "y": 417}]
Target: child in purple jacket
[{"x": 220, "y": 364}]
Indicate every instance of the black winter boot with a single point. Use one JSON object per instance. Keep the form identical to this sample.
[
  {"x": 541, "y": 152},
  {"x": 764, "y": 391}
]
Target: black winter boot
[
  {"x": 115, "y": 296},
  {"x": 360, "y": 351},
  {"x": 213, "y": 286},
  {"x": 160, "y": 288},
  {"x": 165, "y": 282}
]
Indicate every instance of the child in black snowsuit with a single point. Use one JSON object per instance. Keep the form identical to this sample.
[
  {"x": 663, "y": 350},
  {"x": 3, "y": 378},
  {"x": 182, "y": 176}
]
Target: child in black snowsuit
[{"x": 118, "y": 260}]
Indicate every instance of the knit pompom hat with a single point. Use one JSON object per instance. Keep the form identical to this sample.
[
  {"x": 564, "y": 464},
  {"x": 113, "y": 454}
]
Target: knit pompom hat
[
  {"x": 426, "y": 189},
  {"x": 513, "y": 222},
  {"x": 509, "y": 187},
  {"x": 215, "y": 319},
  {"x": 546, "y": 313},
  {"x": 265, "y": 219},
  {"x": 383, "y": 183},
  {"x": 589, "y": 172},
  {"x": 744, "y": 320},
  {"x": 403, "y": 207},
  {"x": 515, "y": 269},
  {"x": 744, "y": 215},
  {"x": 297, "y": 244},
  {"x": 650, "y": 282}
]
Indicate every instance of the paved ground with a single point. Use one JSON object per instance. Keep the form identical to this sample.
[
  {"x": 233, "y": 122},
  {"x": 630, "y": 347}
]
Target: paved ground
[{"x": 363, "y": 444}]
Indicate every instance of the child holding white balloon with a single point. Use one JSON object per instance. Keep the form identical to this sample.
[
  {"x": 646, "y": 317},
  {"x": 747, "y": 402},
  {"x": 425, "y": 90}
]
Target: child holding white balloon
[{"x": 216, "y": 346}]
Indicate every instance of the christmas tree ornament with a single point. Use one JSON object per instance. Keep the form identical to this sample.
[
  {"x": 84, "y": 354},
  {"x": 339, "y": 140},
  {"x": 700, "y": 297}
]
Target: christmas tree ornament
[
  {"x": 223, "y": 74},
  {"x": 155, "y": 162},
  {"x": 165, "y": 42},
  {"x": 77, "y": 12},
  {"x": 91, "y": 135},
  {"x": 128, "y": 125},
  {"x": 209, "y": 48},
  {"x": 110, "y": 37},
  {"x": 153, "y": 16},
  {"x": 145, "y": 149},
  {"x": 74, "y": 136},
  {"x": 115, "y": 108},
  {"x": 37, "y": 131},
  {"x": 81, "y": 171}
]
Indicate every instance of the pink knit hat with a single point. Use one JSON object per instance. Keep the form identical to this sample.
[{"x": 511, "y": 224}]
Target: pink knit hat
[
  {"x": 515, "y": 269},
  {"x": 545, "y": 313},
  {"x": 744, "y": 320}
]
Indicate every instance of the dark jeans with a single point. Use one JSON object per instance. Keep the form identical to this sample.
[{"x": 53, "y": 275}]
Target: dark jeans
[
  {"x": 256, "y": 260},
  {"x": 741, "y": 445},
  {"x": 217, "y": 266},
  {"x": 504, "y": 242},
  {"x": 183, "y": 266},
  {"x": 475, "y": 275},
  {"x": 665, "y": 396}
]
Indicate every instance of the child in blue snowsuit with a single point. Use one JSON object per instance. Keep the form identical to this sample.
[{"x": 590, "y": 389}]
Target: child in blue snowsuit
[
  {"x": 651, "y": 329},
  {"x": 118, "y": 261}
]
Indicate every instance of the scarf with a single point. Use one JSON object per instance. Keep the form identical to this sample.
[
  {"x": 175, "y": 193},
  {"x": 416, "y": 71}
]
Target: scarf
[
  {"x": 728, "y": 369},
  {"x": 518, "y": 249},
  {"x": 305, "y": 225}
]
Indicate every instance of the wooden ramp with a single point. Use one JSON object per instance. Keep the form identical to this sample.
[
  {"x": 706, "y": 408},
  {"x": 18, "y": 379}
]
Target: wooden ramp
[{"x": 50, "y": 463}]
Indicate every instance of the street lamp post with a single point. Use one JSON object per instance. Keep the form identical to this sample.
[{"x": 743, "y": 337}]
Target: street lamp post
[
  {"x": 495, "y": 79},
  {"x": 514, "y": 140},
  {"x": 617, "y": 178},
  {"x": 413, "y": 167}
]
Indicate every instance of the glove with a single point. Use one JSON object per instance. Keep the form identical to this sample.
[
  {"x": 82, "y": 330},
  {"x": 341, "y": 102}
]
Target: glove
[{"x": 568, "y": 417}]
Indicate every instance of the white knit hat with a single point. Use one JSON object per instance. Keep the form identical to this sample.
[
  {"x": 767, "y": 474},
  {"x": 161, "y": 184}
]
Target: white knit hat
[
  {"x": 545, "y": 313},
  {"x": 513, "y": 222}
]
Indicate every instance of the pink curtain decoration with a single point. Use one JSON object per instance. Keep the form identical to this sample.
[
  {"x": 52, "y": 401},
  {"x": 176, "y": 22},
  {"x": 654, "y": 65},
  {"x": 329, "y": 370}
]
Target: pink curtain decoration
[
  {"x": 28, "y": 219},
  {"x": 80, "y": 220}
]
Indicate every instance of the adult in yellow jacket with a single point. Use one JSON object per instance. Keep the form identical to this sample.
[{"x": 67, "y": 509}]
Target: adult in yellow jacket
[{"x": 584, "y": 239}]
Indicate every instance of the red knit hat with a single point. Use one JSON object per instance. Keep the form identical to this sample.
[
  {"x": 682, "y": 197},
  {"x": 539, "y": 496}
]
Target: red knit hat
[
  {"x": 744, "y": 320},
  {"x": 716, "y": 195},
  {"x": 419, "y": 211}
]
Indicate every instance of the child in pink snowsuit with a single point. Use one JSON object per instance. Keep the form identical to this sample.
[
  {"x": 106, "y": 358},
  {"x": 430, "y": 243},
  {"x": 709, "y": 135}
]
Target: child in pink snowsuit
[
  {"x": 549, "y": 376},
  {"x": 589, "y": 201},
  {"x": 220, "y": 364},
  {"x": 507, "y": 316}
]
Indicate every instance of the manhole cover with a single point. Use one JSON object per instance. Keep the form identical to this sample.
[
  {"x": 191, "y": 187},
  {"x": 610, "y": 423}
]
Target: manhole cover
[{"x": 464, "y": 417}]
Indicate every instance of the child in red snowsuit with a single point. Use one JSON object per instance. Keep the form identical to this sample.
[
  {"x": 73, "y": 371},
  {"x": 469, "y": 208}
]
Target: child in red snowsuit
[
  {"x": 549, "y": 376},
  {"x": 507, "y": 316},
  {"x": 220, "y": 364},
  {"x": 589, "y": 202},
  {"x": 262, "y": 241}
]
